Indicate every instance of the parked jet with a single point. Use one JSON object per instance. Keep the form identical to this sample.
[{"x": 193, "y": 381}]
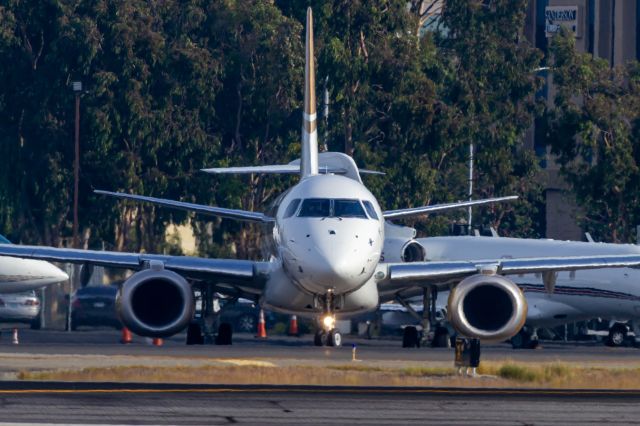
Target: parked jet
[
  {"x": 326, "y": 234},
  {"x": 18, "y": 275},
  {"x": 613, "y": 294}
]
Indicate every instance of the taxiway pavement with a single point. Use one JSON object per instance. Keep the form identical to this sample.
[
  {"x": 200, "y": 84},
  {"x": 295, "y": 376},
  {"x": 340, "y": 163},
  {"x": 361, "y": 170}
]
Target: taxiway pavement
[
  {"x": 111, "y": 404},
  {"x": 95, "y": 403},
  {"x": 285, "y": 351}
]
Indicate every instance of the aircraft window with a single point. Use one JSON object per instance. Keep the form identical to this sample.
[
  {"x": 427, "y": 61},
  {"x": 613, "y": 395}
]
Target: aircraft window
[
  {"x": 348, "y": 208},
  {"x": 315, "y": 207},
  {"x": 291, "y": 209},
  {"x": 369, "y": 207}
]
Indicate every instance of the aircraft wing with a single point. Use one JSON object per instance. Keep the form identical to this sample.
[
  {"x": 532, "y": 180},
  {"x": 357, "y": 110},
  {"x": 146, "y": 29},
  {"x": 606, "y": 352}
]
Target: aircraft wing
[
  {"x": 415, "y": 211},
  {"x": 241, "y": 273},
  {"x": 395, "y": 277},
  {"x": 197, "y": 208}
]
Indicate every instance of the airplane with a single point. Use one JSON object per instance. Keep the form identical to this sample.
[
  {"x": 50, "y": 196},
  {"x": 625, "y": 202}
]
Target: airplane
[
  {"x": 326, "y": 236},
  {"x": 18, "y": 275},
  {"x": 613, "y": 294}
]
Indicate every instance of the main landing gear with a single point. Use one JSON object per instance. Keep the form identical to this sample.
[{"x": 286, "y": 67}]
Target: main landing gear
[
  {"x": 525, "y": 339},
  {"x": 207, "y": 319},
  {"x": 328, "y": 334}
]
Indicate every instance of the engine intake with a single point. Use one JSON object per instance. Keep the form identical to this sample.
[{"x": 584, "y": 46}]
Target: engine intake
[
  {"x": 155, "y": 303},
  {"x": 413, "y": 251},
  {"x": 490, "y": 308}
]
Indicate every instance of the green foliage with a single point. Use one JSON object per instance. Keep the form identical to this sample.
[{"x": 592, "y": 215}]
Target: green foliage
[
  {"x": 172, "y": 87},
  {"x": 594, "y": 131},
  {"x": 487, "y": 97}
]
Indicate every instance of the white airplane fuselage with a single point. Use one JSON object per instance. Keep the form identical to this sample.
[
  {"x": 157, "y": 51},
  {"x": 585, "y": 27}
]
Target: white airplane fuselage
[
  {"x": 17, "y": 275},
  {"x": 328, "y": 235},
  {"x": 612, "y": 293}
]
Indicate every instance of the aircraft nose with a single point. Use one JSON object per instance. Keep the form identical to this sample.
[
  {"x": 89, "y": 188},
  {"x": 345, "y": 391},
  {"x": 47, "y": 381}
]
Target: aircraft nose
[
  {"x": 338, "y": 267},
  {"x": 55, "y": 274}
]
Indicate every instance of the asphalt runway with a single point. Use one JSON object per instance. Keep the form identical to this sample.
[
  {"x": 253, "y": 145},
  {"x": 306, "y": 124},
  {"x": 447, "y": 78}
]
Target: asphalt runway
[{"x": 111, "y": 404}]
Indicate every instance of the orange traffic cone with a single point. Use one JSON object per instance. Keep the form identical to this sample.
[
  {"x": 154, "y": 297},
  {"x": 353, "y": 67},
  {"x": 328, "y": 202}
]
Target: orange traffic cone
[
  {"x": 126, "y": 336},
  {"x": 293, "y": 326},
  {"x": 262, "y": 329},
  {"x": 157, "y": 341},
  {"x": 15, "y": 337}
]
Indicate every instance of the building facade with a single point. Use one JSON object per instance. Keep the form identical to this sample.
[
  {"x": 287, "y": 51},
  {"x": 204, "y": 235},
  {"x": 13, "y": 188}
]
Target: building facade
[{"x": 607, "y": 29}]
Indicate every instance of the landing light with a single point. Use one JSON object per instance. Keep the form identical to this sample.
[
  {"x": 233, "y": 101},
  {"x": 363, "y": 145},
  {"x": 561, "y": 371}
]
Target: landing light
[{"x": 329, "y": 322}]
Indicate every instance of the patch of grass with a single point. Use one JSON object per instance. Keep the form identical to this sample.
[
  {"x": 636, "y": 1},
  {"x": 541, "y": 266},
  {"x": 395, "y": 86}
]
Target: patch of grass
[
  {"x": 517, "y": 372},
  {"x": 407, "y": 371},
  {"x": 496, "y": 374},
  {"x": 428, "y": 371},
  {"x": 357, "y": 367}
]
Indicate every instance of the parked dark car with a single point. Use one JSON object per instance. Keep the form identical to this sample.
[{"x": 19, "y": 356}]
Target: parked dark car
[
  {"x": 242, "y": 315},
  {"x": 95, "y": 306}
]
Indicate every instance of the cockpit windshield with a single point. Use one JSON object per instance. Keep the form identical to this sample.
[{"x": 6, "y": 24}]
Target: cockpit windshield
[
  {"x": 348, "y": 208},
  {"x": 324, "y": 207},
  {"x": 315, "y": 207}
]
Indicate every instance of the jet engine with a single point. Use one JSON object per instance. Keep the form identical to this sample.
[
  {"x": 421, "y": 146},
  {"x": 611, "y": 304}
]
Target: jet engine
[
  {"x": 155, "y": 303},
  {"x": 487, "y": 307},
  {"x": 402, "y": 250}
]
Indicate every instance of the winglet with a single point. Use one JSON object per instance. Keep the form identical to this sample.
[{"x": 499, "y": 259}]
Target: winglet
[{"x": 309, "y": 157}]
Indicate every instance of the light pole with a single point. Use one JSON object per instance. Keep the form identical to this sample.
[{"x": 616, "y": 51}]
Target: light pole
[{"x": 77, "y": 90}]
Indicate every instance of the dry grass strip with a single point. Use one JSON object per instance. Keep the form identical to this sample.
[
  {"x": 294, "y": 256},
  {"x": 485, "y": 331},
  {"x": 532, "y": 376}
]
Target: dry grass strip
[{"x": 492, "y": 374}]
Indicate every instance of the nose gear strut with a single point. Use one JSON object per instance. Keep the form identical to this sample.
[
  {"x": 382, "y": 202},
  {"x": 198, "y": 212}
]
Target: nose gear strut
[{"x": 328, "y": 334}]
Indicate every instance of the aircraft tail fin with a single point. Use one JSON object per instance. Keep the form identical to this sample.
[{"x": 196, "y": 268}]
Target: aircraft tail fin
[{"x": 309, "y": 156}]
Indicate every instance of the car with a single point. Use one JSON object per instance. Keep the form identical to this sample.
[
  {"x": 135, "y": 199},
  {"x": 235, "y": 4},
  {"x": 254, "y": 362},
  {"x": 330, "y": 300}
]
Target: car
[
  {"x": 242, "y": 315},
  {"x": 95, "y": 306},
  {"x": 20, "y": 307}
]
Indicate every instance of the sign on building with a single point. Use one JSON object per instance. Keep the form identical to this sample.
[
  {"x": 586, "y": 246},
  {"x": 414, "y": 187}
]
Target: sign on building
[{"x": 557, "y": 16}]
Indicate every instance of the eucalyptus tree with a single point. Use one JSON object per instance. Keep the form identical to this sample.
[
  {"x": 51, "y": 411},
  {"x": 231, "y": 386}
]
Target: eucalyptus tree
[{"x": 594, "y": 131}]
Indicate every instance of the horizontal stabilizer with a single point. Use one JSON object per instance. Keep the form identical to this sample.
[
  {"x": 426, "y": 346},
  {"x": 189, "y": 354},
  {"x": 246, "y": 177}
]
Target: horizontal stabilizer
[
  {"x": 283, "y": 169},
  {"x": 197, "y": 208},
  {"x": 416, "y": 211},
  {"x": 272, "y": 169}
]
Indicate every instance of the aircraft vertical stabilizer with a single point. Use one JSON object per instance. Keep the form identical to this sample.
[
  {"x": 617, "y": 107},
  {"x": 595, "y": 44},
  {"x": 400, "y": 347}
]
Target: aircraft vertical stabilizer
[{"x": 309, "y": 156}]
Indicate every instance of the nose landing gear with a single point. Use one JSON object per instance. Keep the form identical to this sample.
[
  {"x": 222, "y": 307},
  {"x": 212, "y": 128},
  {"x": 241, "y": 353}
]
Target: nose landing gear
[{"x": 328, "y": 335}]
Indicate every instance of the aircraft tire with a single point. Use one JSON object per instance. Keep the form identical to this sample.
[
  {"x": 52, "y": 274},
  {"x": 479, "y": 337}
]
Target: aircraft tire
[
  {"x": 410, "y": 337},
  {"x": 334, "y": 338},
  {"x": 35, "y": 323},
  {"x": 225, "y": 334},
  {"x": 441, "y": 338},
  {"x": 320, "y": 339},
  {"x": 194, "y": 334},
  {"x": 521, "y": 340}
]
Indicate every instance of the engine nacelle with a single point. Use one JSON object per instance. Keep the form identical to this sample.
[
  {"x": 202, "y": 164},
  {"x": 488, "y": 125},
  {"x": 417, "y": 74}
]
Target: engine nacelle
[
  {"x": 155, "y": 303},
  {"x": 487, "y": 307},
  {"x": 402, "y": 250}
]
